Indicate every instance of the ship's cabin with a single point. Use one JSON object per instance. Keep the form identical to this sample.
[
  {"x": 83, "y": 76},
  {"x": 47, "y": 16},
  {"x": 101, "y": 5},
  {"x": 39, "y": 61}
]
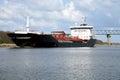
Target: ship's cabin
[{"x": 84, "y": 31}]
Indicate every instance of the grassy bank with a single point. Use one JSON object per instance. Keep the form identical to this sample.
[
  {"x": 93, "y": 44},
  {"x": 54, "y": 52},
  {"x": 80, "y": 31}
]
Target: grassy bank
[
  {"x": 5, "y": 41},
  {"x": 4, "y": 38}
]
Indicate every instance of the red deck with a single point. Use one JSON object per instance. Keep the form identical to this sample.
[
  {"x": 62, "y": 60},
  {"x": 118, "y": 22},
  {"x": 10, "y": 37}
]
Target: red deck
[{"x": 61, "y": 36}]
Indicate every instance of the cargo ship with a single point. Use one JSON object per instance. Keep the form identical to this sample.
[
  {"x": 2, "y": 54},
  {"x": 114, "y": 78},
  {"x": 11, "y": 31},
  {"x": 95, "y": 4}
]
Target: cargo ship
[{"x": 80, "y": 36}]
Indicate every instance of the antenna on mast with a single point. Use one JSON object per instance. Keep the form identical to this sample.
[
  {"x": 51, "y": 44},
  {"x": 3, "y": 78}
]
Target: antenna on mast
[
  {"x": 83, "y": 19},
  {"x": 28, "y": 24}
]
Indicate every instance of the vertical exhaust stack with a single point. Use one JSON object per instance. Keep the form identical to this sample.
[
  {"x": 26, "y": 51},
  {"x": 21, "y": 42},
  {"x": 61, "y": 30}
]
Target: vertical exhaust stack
[{"x": 28, "y": 24}]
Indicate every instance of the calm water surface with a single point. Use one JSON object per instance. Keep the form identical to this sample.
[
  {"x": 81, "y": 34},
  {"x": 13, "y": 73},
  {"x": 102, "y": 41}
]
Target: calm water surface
[{"x": 99, "y": 63}]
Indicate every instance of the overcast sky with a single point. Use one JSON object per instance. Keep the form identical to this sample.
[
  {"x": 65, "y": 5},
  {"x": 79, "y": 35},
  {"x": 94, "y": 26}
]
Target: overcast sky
[{"x": 49, "y": 15}]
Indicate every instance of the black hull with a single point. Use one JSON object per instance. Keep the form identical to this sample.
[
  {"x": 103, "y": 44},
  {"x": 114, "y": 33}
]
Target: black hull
[{"x": 38, "y": 40}]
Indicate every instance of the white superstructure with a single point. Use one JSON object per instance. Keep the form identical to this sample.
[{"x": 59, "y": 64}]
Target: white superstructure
[
  {"x": 84, "y": 31},
  {"x": 27, "y": 28},
  {"x": 28, "y": 24}
]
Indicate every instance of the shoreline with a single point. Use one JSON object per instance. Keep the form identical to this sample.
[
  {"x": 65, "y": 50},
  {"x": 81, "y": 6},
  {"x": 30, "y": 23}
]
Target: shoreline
[
  {"x": 14, "y": 45},
  {"x": 107, "y": 45},
  {"x": 7, "y": 45}
]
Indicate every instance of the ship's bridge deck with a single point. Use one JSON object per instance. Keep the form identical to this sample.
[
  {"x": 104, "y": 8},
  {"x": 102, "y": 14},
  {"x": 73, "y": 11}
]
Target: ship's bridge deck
[{"x": 81, "y": 27}]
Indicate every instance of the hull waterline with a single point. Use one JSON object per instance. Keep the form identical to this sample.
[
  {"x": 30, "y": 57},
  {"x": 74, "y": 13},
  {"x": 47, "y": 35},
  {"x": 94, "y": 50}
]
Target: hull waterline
[{"x": 35, "y": 40}]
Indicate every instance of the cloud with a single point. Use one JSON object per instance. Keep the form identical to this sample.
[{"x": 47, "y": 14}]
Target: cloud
[
  {"x": 12, "y": 10},
  {"x": 6, "y": 22},
  {"x": 1, "y": 22},
  {"x": 42, "y": 23},
  {"x": 87, "y": 4},
  {"x": 46, "y": 4},
  {"x": 71, "y": 13},
  {"x": 10, "y": 25},
  {"x": 108, "y": 3},
  {"x": 52, "y": 14},
  {"x": 109, "y": 15}
]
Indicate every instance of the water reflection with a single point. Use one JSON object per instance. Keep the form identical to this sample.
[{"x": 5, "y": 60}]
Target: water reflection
[
  {"x": 77, "y": 63},
  {"x": 100, "y": 63}
]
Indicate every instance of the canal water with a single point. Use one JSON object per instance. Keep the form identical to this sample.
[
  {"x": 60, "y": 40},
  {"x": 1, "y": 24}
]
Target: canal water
[{"x": 98, "y": 63}]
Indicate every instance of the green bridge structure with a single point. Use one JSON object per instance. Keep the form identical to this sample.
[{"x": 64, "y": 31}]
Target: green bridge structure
[{"x": 108, "y": 34}]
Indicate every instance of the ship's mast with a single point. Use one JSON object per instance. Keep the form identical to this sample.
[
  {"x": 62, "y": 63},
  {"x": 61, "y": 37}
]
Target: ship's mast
[
  {"x": 83, "y": 20},
  {"x": 28, "y": 24}
]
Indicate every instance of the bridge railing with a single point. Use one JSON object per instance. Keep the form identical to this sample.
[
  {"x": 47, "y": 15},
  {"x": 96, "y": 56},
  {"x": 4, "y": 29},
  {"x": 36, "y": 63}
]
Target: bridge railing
[{"x": 105, "y": 32}]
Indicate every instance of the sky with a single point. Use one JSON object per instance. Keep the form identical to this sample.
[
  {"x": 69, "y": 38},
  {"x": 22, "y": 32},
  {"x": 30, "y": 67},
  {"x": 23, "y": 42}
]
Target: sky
[{"x": 50, "y": 15}]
